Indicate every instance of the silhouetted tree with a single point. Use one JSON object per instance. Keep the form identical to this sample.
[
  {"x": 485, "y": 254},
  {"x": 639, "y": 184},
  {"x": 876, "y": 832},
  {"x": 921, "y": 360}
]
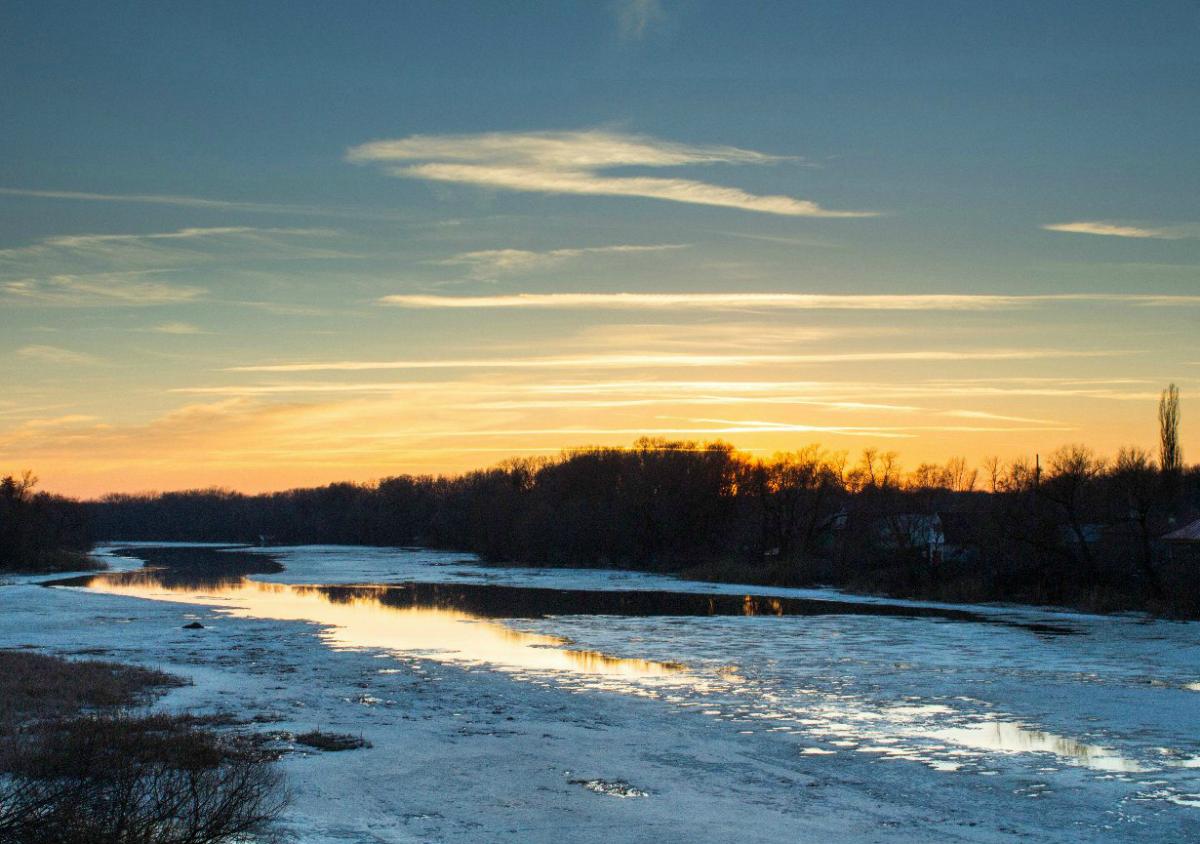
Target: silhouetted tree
[{"x": 1170, "y": 454}]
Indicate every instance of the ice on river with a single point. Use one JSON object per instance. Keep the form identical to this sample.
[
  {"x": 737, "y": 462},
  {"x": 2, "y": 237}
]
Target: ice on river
[{"x": 845, "y": 727}]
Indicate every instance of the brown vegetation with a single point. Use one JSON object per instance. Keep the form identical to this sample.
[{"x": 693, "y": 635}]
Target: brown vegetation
[
  {"x": 331, "y": 741},
  {"x": 36, "y": 686},
  {"x": 77, "y": 768}
]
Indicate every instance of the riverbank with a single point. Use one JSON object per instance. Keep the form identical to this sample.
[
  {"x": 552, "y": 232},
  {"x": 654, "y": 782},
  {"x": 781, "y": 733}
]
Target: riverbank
[
  {"x": 55, "y": 562},
  {"x": 964, "y": 584}
]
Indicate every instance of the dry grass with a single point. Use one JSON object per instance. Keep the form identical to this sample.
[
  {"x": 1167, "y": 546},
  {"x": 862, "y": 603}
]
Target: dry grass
[
  {"x": 35, "y": 686},
  {"x": 332, "y": 741},
  {"x": 77, "y": 768},
  {"x": 773, "y": 573}
]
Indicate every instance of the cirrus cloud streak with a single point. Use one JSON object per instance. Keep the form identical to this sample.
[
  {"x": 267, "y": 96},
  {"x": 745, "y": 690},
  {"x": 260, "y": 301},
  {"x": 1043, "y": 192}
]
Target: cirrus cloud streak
[
  {"x": 1109, "y": 229},
  {"x": 790, "y": 301},
  {"x": 574, "y": 163},
  {"x": 636, "y": 361}
]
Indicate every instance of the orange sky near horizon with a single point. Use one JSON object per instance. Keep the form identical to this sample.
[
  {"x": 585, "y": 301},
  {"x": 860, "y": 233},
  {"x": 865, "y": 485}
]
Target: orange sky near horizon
[{"x": 239, "y": 444}]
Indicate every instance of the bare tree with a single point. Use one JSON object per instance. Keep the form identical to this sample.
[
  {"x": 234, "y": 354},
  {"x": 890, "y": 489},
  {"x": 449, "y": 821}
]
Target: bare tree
[
  {"x": 962, "y": 479},
  {"x": 867, "y": 466},
  {"x": 1139, "y": 489},
  {"x": 889, "y": 463},
  {"x": 993, "y": 466},
  {"x": 1073, "y": 468},
  {"x": 1170, "y": 455},
  {"x": 930, "y": 476}
]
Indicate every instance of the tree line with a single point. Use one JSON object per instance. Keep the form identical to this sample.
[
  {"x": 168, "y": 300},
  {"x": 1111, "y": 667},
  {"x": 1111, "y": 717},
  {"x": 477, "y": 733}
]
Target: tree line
[
  {"x": 1071, "y": 528},
  {"x": 38, "y": 531}
]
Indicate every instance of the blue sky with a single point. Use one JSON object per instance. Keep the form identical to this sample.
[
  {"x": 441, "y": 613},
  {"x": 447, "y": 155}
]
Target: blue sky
[{"x": 196, "y": 197}]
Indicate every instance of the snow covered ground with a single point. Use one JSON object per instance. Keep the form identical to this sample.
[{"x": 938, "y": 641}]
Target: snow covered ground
[{"x": 598, "y": 728}]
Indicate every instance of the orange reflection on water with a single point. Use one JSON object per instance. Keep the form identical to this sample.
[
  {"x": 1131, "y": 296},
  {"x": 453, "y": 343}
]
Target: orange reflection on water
[{"x": 358, "y": 618}]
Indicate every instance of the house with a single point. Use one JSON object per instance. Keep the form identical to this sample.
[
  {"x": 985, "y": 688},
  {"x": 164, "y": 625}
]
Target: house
[
  {"x": 1188, "y": 534},
  {"x": 1183, "y": 545}
]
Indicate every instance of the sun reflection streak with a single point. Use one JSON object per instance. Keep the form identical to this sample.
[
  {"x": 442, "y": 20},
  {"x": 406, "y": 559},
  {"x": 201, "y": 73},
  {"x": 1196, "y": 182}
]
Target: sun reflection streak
[{"x": 359, "y": 619}]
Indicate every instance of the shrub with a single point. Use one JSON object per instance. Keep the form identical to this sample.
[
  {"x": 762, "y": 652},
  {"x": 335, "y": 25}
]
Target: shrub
[
  {"x": 75, "y": 768},
  {"x": 124, "y": 780}
]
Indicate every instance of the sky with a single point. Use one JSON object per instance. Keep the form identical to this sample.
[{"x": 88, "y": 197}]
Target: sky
[{"x": 276, "y": 244}]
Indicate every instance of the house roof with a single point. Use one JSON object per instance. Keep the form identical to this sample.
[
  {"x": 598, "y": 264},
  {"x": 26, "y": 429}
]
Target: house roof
[{"x": 1187, "y": 533}]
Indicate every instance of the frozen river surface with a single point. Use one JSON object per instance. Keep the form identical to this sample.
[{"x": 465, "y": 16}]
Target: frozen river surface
[{"x": 824, "y": 721}]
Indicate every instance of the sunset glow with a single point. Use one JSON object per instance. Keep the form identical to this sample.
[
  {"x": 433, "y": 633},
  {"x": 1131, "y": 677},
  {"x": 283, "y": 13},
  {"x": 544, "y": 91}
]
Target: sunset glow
[{"x": 370, "y": 253}]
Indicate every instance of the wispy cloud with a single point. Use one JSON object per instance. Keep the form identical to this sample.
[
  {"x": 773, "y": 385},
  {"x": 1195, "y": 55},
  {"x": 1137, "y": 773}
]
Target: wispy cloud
[
  {"x": 574, "y": 163},
  {"x": 204, "y": 203},
  {"x": 710, "y": 428},
  {"x": 489, "y": 395},
  {"x": 176, "y": 328},
  {"x": 951, "y": 388},
  {"x": 68, "y": 420},
  {"x": 722, "y": 335},
  {"x": 755, "y": 425},
  {"x": 664, "y": 360},
  {"x": 998, "y": 417},
  {"x": 1107, "y": 229},
  {"x": 786, "y": 241},
  {"x": 635, "y": 17},
  {"x": 125, "y": 251},
  {"x": 537, "y": 397},
  {"x": 79, "y": 241},
  {"x": 489, "y": 263},
  {"x": 299, "y": 388},
  {"x": 97, "y": 290},
  {"x": 789, "y": 301},
  {"x": 121, "y": 268},
  {"x": 56, "y": 355},
  {"x": 677, "y": 400}
]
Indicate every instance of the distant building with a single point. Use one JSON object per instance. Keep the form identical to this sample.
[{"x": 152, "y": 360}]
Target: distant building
[
  {"x": 1183, "y": 545},
  {"x": 1187, "y": 534}
]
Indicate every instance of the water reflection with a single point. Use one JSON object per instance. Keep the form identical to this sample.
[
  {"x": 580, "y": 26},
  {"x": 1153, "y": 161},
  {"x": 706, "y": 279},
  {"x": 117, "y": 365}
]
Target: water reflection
[
  {"x": 202, "y": 568},
  {"x": 1009, "y": 737},
  {"x": 392, "y": 619}
]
